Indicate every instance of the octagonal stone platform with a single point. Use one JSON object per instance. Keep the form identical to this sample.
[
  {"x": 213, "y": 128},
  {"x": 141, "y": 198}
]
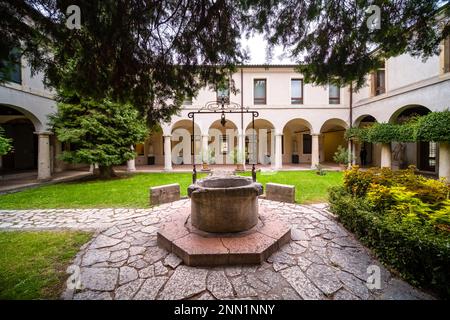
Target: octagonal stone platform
[{"x": 199, "y": 248}]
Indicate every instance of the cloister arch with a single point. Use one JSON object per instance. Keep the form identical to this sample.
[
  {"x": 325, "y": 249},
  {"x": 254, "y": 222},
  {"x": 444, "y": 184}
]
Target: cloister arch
[
  {"x": 406, "y": 112},
  {"x": 223, "y": 141},
  {"x": 364, "y": 118},
  {"x": 366, "y": 154},
  {"x": 297, "y": 140},
  {"x": 20, "y": 126},
  {"x": 424, "y": 155},
  {"x": 151, "y": 151},
  {"x": 181, "y": 146},
  {"x": 331, "y": 137},
  {"x": 265, "y": 141}
]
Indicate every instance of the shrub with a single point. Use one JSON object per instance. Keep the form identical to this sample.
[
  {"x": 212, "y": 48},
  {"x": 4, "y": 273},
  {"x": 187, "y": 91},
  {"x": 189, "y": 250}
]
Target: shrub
[
  {"x": 435, "y": 126},
  {"x": 341, "y": 155},
  {"x": 419, "y": 252},
  {"x": 5, "y": 143},
  {"x": 401, "y": 193}
]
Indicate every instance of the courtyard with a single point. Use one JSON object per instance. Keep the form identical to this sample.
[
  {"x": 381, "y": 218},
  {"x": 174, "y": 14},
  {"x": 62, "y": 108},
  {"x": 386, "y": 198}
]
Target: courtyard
[
  {"x": 219, "y": 150},
  {"x": 123, "y": 261}
]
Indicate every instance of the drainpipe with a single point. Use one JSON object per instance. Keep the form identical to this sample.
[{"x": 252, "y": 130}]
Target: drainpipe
[
  {"x": 350, "y": 147},
  {"x": 242, "y": 135}
]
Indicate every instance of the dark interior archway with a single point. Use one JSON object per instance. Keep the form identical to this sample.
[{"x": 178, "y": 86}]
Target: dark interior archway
[
  {"x": 21, "y": 130},
  {"x": 425, "y": 153}
]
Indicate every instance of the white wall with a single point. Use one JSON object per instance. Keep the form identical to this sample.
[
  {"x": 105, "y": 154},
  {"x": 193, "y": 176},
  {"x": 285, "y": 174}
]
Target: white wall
[{"x": 30, "y": 97}]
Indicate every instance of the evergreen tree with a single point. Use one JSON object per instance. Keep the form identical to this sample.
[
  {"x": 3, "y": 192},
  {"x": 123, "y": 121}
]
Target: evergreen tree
[
  {"x": 149, "y": 53},
  {"x": 98, "y": 132},
  {"x": 339, "y": 41}
]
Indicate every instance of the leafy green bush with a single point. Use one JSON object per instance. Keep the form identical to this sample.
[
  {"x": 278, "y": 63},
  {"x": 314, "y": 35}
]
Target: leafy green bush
[
  {"x": 5, "y": 143},
  {"x": 435, "y": 126},
  {"x": 401, "y": 194},
  {"x": 421, "y": 253},
  {"x": 341, "y": 155}
]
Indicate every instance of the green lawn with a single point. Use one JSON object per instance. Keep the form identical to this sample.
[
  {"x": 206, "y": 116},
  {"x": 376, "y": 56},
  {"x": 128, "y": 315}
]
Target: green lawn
[
  {"x": 309, "y": 187},
  {"x": 33, "y": 264},
  {"x": 133, "y": 191}
]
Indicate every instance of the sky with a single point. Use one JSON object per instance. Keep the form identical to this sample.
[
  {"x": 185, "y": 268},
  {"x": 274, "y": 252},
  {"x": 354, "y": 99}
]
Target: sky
[{"x": 257, "y": 48}]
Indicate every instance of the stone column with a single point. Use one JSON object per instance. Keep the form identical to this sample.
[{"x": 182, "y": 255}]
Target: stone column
[
  {"x": 241, "y": 148},
  {"x": 131, "y": 164},
  {"x": 444, "y": 160},
  {"x": 205, "y": 153},
  {"x": 315, "y": 150},
  {"x": 44, "y": 172},
  {"x": 278, "y": 152},
  {"x": 386, "y": 155},
  {"x": 351, "y": 154},
  {"x": 167, "y": 153}
]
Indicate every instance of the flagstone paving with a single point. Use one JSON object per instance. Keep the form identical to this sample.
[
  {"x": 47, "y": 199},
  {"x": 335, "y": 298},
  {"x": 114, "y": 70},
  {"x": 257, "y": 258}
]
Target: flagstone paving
[{"x": 123, "y": 261}]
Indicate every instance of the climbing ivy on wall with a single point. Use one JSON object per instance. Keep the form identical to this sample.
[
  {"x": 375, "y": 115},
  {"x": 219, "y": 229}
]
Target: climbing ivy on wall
[{"x": 434, "y": 126}]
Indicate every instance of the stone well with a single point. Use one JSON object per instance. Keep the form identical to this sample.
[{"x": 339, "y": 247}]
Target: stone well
[
  {"x": 224, "y": 204},
  {"x": 224, "y": 225}
]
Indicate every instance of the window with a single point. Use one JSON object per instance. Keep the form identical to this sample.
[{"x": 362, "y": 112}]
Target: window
[
  {"x": 378, "y": 82},
  {"x": 12, "y": 70},
  {"x": 307, "y": 143},
  {"x": 432, "y": 155},
  {"x": 334, "y": 94},
  {"x": 447, "y": 55},
  {"x": 259, "y": 91},
  {"x": 296, "y": 91}
]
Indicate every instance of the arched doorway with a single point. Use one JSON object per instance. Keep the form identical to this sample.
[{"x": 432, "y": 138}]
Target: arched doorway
[
  {"x": 331, "y": 137},
  {"x": 21, "y": 130},
  {"x": 182, "y": 146},
  {"x": 223, "y": 142},
  {"x": 297, "y": 142},
  {"x": 421, "y": 154},
  {"x": 265, "y": 142},
  {"x": 151, "y": 151},
  {"x": 366, "y": 154}
]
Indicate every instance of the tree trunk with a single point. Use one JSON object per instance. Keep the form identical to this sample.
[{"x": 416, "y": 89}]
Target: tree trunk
[{"x": 105, "y": 172}]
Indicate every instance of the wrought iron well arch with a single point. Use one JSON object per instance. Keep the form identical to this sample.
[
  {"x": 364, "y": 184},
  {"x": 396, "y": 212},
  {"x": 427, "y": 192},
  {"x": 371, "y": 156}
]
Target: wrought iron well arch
[{"x": 222, "y": 106}]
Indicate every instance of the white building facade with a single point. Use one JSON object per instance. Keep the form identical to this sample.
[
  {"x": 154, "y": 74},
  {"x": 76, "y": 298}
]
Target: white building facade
[{"x": 299, "y": 124}]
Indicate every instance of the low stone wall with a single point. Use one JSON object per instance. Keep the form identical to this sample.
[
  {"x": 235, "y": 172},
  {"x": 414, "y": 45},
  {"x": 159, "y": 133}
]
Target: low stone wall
[
  {"x": 164, "y": 194},
  {"x": 280, "y": 192}
]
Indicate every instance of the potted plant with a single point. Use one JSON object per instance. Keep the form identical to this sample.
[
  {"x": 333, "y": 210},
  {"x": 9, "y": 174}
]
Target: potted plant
[
  {"x": 205, "y": 165},
  {"x": 205, "y": 161},
  {"x": 341, "y": 157}
]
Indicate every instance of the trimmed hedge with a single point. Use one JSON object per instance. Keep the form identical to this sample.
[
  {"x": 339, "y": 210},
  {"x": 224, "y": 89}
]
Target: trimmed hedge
[{"x": 419, "y": 253}]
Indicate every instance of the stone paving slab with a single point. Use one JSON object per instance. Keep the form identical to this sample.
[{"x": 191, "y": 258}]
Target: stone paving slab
[{"x": 123, "y": 261}]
